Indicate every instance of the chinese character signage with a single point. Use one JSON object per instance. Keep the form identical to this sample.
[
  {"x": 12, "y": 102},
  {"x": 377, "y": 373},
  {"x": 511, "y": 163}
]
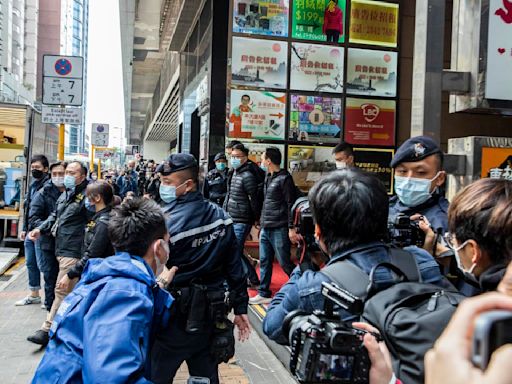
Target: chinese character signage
[
  {"x": 371, "y": 73},
  {"x": 374, "y": 22},
  {"x": 257, "y": 115},
  {"x": 319, "y": 20},
  {"x": 315, "y": 118},
  {"x": 498, "y": 83},
  {"x": 497, "y": 163},
  {"x": 259, "y": 63},
  {"x": 264, "y": 17},
  {"x": 370, "y": 122},
  {"x": 376, "y": 161},
  {"x": 316, "y": 68}
]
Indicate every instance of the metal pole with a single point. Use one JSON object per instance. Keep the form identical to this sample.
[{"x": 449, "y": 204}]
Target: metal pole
[
  {"x": 91, "y": 162},
  {"x": 62, "y": 133},
  {"x": 99, "y": 169}
]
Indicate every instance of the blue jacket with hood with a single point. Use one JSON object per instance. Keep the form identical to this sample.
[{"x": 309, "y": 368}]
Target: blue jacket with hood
[{"x": 103, "y": 329}]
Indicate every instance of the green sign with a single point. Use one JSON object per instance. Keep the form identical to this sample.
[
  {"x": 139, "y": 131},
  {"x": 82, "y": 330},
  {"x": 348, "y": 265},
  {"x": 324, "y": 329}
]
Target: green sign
[{"x": 319, "y": 20}]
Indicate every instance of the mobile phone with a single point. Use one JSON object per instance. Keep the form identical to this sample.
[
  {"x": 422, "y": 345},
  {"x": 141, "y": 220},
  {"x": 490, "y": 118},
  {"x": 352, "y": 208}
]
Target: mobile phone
[
  {"x": 493, "y": 329},
  {"x": 198, "y": 380}
]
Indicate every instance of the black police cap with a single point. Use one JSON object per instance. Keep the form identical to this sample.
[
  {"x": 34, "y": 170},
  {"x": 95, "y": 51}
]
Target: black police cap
[
  {"x": 416, "y": 149},
  {"x": 177, "y": 162},
  {"x": 219, "y": 156}
]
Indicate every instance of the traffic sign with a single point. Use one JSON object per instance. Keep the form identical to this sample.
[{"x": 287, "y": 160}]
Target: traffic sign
[
  {"x": 54, "y": 115},
  {"x": 62, "y": 91},
  {"x": 99, "y": 134},
  {"x": 63, "y": 66},
  {"x": 100, "y": 128},
  {"x": 104, "y": 153}
]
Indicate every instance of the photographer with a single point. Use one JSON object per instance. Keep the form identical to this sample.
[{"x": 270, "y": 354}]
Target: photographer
[
  {"x": 350, "y": 212},
  {"x": 128, "y": 180}
]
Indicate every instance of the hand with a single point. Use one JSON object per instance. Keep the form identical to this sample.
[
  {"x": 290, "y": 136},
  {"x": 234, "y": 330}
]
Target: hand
[
  {"x": 295, "y": 238},
  {"x": 430, "y": 236},
  {"x": 23, "y": 235},
  {"x": 451, "y": 355},
  {"x": 34, "y": 235},
  {"x": 168, "y": 274},
  {"x": 381, "y": 370},
  {"x": 244, "y": 327},
  {"x": 64, "y": 283}
]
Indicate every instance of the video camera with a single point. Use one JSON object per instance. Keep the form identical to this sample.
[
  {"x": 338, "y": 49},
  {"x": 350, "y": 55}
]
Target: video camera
[
  {"x": 404, "y": 232},
  {"x": 325, "y": 349}
]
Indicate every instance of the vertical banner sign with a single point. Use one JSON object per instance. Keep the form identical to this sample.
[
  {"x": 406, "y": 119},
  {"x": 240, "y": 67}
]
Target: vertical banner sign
[
  {"x": 315, "y": 19},
  {"x": 376, "y": 161},
  {"x": 374, "y": 23},
  {"x": 370, "y": 122},
  {"x": 263, "y": 17},
  {"x": 498, "y": 79}
]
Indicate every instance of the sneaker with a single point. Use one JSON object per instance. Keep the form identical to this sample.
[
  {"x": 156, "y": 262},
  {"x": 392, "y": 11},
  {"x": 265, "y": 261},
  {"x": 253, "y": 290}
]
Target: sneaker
[
  {"x": 28, "y": 300},
  {"x": 43, "y": 306},
  {"x": 259, "y": 300},
  {"x": 40, "y": 337}
]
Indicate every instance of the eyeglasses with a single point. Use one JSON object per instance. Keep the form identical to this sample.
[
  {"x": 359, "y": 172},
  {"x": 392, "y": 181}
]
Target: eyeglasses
[{"x": 238, "y": 157}]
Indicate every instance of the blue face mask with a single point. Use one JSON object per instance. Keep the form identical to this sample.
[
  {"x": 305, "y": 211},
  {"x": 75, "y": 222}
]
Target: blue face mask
[
  {"x": 262, "y": 166},
  {"x": 69, "y": 182},
  {"x": 90, "y": 207},
  {"x": 168, "y": 192},
  {"x": 413, "y": 191},
  {"x": 220, "y": 166},
  {"x": 235, "y": 162}
]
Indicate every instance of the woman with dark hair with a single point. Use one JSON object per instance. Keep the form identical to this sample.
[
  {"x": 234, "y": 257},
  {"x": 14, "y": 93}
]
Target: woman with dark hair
[
  {"x": 333, "y": 22},
  {"x": 100, "y": 198}
]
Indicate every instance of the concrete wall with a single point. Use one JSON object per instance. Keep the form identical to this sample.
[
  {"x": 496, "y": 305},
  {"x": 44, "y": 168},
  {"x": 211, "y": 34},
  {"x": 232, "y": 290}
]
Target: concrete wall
[{"x": 155, "y": 150}]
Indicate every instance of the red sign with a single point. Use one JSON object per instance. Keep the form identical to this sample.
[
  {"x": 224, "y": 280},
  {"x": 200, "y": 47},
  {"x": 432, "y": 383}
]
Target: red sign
[{"x": 370, "y": 122}]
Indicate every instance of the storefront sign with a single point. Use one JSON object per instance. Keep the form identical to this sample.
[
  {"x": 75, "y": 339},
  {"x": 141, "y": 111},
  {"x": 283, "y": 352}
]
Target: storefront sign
[
  {"x": 257, "y": 149},
  {"x": 259, "y": 63},
  {"x": 309, "y": 18},
  {"x": 376, "y": 161},
  {"x": 257, "y": 115},
  {"x": 498, "y": 84},
  {"x": 371, "y": 73},
  {"x": 370, "y": 122},
  {"x": 374, "y": 22},
  {"x": 315, "y": 118},
  {"x": 497, "y": 163},
  {"x": 263, "y": 17},
  {"x": 316, "y": 68}
]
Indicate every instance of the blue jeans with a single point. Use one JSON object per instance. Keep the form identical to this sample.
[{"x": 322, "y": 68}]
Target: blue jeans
[
  {"x": 32, "y": 254},
  {"x": 49, "y": 266},
  {"x": 241, "y": 232},
  {"x": 273, "y": 242}
]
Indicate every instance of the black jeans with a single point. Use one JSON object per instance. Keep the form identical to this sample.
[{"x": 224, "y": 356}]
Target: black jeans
[
  {"x": 332, "y": 35},
  {"x": 50, "y": 269}
]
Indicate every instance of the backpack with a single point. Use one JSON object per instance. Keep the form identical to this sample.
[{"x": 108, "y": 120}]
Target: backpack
[{"x": 410, "y": 315}]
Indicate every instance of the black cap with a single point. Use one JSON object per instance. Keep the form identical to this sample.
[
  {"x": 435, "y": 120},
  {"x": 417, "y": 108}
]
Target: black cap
[
  {"x": 177, "y": 162},
  {"x": 416, "y": 149},
  {"x": 219, "y": 156}
]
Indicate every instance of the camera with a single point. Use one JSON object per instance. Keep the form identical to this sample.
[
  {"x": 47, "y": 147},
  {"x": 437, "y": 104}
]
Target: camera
[
  {"x": 302, "y": 217},
  {"x": 325, "y": 349},
  {"x": 493, "y": 329},
  {"x": 404, "y": 232}
]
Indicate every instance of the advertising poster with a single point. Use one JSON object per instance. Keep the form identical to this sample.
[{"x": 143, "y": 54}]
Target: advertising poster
[
  {"x": 257, "y": 115},
  {"x": 498, "y": 78},
  {"x": 371, "y": 73},
  {"x": 315, "y": 118},
  {"x": 497, "y": 163},
  {"x": 374, "y": 22},
  {"x": 316, "y": 20},
  {"x": 259, "y": 63},
  {"x": 308, "y": 164},
  {"x": 370, "y": 122},
  {"x": 376, "y": 160},
  {"x": 316, "y": 68},
  {"x": 256, "y": 150},
  {"x": 264, "y": 17}
]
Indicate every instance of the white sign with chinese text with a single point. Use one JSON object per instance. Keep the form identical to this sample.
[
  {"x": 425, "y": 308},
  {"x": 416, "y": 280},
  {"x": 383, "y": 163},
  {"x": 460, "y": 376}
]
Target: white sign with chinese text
[
  {"x": 104, "y": 153},
  {"x": 55, "y": 115},
  {"x": 100, "y": 135},
  {"x": 62, "y": 91}
]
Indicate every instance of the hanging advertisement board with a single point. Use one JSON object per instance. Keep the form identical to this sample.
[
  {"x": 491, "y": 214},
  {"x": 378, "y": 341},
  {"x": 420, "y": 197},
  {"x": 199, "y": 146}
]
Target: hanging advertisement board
[
  {"x": 263, "y": 17},
  {"x": 311, "y": 20},
  {"x": 374, "y": 23},
  {"x": 376, "y": 161},
  {"x": 316, "y": 68}
]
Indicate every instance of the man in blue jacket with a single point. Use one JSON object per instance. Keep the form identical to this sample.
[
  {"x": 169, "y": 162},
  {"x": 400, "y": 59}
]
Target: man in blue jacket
[{"x": 104, "y": 328}]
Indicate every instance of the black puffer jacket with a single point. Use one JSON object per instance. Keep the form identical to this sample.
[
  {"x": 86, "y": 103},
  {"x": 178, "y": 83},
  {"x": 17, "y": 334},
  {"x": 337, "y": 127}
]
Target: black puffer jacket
[
  {"x": 242, "y": 198},
  {"x": 34, "y": 187},
  {"x": 279, "y": 198},
  {"x": 217, "y": 185}
]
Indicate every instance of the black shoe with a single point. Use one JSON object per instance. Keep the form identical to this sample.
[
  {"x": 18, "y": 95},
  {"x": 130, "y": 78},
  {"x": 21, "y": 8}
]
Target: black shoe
[
  {"x": 40, "y": 337},
  {"x": 253, "y": 285}
]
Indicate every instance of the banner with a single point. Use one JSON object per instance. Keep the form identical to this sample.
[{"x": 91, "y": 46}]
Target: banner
[
  {"x": 315, "y": 118},
  {"x": 376, "y": 160},
  {"x": 259, "y": 63},
  {"x": 316, "y": 68},
  {"x": 370, "y": 122},
  {"x": 497, "y": 163},
  {"x": 371, "y": 73},
  {"x": 309, "y": 18},
  {"x": 374, "y": 22},
  {"x": 264, "y": 17},
  {"x": 257, "y": 115}
]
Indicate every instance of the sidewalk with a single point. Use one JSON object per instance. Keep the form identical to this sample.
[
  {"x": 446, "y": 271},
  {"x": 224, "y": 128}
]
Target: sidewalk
[{"x": 253, "y": 362}]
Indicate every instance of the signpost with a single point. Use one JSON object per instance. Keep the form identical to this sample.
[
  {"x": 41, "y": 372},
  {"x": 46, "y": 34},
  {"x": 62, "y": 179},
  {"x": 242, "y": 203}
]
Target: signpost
[
  {"x": 99, "y": 138},
  {"x": 57, "y": 115}
]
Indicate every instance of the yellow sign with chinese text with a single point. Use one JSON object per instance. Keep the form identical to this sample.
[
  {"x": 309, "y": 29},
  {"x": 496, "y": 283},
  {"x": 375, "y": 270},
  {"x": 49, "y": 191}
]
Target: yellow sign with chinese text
[{"x": 374, "y": 23}]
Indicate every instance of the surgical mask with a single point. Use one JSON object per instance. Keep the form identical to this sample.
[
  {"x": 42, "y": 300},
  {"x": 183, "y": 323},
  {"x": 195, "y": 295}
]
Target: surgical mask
[
  {"x": 94, "y": 177},
  {"x": 37, "y": 174},
  {"x": 262, "y": 166},
  {"x": 69, "y": 182},
  {"x": 220, "y": 166},
  {"x": 469, "y": 275},
  {"x": 341, "y": 164},
  {"x": 235, "y": 162},
  {"x": 412, "y": 191},
  {"x": 90, "y": 207},
  {"x": 159, "y": 265},
  {"x": 168, "y": 192},
  {"x": 58, "y": 181}
]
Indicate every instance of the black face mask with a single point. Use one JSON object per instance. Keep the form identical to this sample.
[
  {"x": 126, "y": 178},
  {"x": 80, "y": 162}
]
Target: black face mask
[{"x": 37, "y": 174}]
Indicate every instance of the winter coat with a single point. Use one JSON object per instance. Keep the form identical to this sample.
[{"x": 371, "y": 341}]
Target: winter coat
[
  {"x": 279, "y": 198},
  {"x": 242, "y": 200},
  {"x": 333, "y": 20}
]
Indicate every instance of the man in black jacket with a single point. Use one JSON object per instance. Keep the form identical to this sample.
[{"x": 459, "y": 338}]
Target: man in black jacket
[
  {"x": 217, "y": 180},
  {"x": 243, "y": 201},
  {"x": 67, "y": 224},
  {"x": 276, "y": 219}
]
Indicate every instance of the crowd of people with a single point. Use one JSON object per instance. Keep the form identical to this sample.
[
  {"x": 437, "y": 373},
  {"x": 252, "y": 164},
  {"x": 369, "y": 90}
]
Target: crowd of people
[{"x": 143, "y": 265}]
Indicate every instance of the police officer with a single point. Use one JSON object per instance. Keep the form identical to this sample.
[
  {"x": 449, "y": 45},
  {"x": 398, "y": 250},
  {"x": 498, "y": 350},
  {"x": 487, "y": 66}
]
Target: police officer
[
  {"x": 419, "y": 177},
  {"x": 203, "y": 247},
  {"x": 217, "y": 180}
]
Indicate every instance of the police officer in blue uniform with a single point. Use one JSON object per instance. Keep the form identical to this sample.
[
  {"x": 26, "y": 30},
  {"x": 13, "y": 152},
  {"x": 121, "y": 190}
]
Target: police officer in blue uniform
[
  {"x": 217, "y": 180},
  {"x": 419, "y": 178},
  {"x": 203, "y": 247}
]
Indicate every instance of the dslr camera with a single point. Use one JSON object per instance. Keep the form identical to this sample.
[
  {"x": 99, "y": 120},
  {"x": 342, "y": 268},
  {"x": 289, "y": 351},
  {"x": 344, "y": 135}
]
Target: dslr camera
[
  {"x": 302, "y": 217},
  {"x": 404, "y": 232},
  {"x": 324, "y": 349}
]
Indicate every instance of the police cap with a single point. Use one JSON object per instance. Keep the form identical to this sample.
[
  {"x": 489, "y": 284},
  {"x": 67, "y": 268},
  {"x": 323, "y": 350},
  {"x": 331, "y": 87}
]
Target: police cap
[
  {"x": 177, "y": 162},
  {"x": 219, "y": 156},
  {"x": 416, "y": 149}
]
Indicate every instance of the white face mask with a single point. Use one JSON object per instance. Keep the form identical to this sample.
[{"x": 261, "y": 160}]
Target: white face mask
[
  {"x": 341, "y": 165},
  {"x": 469, "y": 273},
  {"x": 159, "y": 265},
  {"x": 58, "y": 181}
]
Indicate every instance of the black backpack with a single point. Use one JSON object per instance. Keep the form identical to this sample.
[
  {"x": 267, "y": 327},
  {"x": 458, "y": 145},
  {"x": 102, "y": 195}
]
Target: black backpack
[{"x": 410, "y": 315}]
